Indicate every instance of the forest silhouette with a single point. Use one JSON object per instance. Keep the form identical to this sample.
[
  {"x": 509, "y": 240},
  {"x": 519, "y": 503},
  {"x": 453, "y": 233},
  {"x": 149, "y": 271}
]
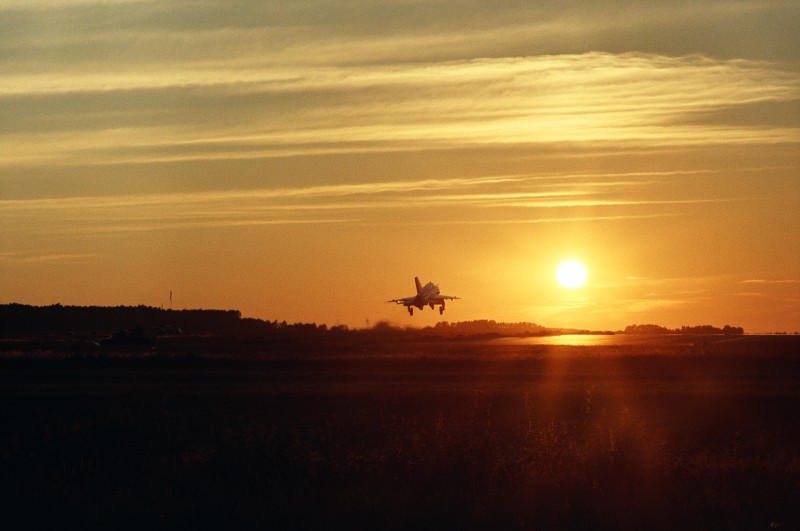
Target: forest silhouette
[
  {"x": 140, "y": 417},
  {"x": 121, "y": 322}
]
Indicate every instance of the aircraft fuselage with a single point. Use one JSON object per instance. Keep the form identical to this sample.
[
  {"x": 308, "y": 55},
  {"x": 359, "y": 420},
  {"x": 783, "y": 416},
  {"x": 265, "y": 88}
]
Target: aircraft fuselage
[{"x": 427, "y": 295}]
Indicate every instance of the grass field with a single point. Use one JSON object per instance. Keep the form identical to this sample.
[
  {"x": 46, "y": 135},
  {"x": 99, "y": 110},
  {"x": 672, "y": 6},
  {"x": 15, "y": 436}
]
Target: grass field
[{"x": 458, "y": 434}]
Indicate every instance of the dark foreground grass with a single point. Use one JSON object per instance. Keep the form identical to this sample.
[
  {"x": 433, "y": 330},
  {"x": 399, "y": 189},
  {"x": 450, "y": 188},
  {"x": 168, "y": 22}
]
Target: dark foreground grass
[{"x": 534, "y": 438}]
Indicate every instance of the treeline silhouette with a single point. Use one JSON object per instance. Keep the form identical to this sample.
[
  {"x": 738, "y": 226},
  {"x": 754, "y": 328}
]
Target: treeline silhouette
[
  {"x": 493, "y": 328},
  {"x": 651, "y": 329},
  {"x": 19, "y": 320},
  {"x": 131, "y": 322},
  {"x": 97, "y": 321}
]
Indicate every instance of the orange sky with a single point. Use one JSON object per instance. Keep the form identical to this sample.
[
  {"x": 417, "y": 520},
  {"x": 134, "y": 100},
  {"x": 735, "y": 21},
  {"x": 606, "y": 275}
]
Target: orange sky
[{"x": 304, "y": 161}]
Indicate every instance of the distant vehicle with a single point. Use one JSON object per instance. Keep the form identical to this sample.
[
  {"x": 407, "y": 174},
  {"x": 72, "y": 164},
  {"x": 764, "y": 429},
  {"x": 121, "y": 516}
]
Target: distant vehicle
[{"x": 427, "y": 295}]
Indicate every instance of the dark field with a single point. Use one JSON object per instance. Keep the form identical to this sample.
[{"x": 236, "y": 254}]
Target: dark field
[{"x": 460, "y": 434}]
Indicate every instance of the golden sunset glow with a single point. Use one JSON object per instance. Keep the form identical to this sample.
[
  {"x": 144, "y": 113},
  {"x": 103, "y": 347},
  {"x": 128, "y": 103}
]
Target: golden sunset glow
[
  {"x": 305, "y": 161},
  {"x": 571, "y": 274}
]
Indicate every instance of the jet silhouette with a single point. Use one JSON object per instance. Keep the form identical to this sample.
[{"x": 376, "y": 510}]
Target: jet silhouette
[{"x": 427, "y": 295}]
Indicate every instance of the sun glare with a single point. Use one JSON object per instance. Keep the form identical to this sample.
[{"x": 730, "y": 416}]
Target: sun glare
[{"x": 571, "y": 274}]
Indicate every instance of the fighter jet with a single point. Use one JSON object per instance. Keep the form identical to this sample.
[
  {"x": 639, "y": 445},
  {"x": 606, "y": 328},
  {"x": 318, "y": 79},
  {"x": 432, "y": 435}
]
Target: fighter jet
[{"x": 426, "y": 296}]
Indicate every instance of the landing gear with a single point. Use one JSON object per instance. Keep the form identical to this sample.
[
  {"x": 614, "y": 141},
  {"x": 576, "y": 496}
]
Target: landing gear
[
  {"x": 431, "y": 305},
  {"x": 410, "y": 311},
  {"x": 441, "y": 309}
]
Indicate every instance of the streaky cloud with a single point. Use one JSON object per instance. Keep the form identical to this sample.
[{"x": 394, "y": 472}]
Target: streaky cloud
[
  {"x": 765, "y": 281},
  {"x": 196, "y": 224},
  {"x": 334, "y": 190},
  {"x": 488, "y": 200},
  {"x": 639, "y": 100},
  {"x": 31, "y": 258},
  {"x": 535, "y": 221}
]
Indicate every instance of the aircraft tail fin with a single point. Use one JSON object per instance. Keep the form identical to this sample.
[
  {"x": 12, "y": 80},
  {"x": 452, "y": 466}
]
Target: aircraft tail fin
[{"x": 419, "y": 286}]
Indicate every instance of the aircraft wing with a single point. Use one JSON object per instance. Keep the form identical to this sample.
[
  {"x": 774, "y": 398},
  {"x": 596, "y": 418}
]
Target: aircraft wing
[
  {"x": 439, "y": 299},
  {"x": 408, "y": 301}
]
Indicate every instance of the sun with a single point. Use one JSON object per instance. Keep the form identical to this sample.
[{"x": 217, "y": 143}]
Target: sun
[{"x": 571, "y": 274}]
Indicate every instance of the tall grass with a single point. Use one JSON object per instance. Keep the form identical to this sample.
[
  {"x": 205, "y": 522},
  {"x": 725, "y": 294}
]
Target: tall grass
[{"x": 578, "y": 442}]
